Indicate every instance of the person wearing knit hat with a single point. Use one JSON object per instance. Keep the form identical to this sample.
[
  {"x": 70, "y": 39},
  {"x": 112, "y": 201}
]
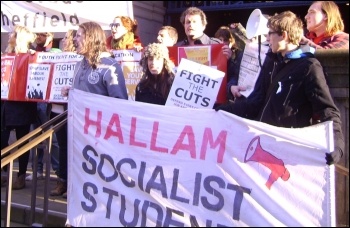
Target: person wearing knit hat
[{"x": 157, "y": 75}]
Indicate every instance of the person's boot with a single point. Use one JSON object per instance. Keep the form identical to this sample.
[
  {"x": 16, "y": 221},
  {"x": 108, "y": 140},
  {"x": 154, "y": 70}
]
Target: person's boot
[
  {"x": 20, "y": 182},
  {"x": 60, "y": 188}
]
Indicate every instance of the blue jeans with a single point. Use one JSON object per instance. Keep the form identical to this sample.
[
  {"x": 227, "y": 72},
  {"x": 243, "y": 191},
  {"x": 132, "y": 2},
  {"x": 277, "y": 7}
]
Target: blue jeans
[{"x": 43, "y": 118}]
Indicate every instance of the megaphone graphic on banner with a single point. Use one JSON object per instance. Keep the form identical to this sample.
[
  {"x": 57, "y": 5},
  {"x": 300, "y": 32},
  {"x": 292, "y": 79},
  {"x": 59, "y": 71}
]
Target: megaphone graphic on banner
[
  {"x": 257, "y": 24},
  {"x": 257, "y": 154}
]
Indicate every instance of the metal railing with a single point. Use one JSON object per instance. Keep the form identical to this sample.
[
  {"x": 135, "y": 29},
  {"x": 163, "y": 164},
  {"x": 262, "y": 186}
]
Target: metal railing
[{"x": 37, "y": 137}]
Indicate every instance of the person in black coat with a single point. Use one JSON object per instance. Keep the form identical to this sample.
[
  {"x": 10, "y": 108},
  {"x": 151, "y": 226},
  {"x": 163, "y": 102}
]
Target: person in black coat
[
  {"x": 293, "y": 92},
  {"x": 158, "y": 75}
]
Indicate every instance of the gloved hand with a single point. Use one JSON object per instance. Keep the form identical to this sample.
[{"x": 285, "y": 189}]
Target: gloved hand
[
  {"x": 226, "y": 107},
  {"x": 334, "y": 156}
]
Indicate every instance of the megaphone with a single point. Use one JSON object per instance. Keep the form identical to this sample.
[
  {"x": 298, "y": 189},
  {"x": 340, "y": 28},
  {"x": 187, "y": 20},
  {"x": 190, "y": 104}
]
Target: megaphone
[
  {"x": 256, "y": 153},
  {"x": 257, "y": 24}
]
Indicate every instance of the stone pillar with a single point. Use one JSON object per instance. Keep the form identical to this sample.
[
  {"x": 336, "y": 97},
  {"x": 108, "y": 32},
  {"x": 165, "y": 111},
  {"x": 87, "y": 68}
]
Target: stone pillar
[{"x": 336, "y": 64}]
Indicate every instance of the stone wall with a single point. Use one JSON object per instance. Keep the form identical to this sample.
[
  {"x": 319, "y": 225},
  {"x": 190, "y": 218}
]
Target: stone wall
[
  {"x": 150, "y": 18},
  {"x": 336, "y": 64}
]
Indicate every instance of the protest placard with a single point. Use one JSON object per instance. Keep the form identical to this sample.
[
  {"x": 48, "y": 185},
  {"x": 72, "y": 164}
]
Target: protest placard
[
  {"x": 250, "y": 69},
  {"x": 37, "y": 80},
  {"x": 7, "y": 63},
  {"x": 209, "y": 55},
  {"x": 129, "y": 60},
  {"x": 195, "y": 85}
]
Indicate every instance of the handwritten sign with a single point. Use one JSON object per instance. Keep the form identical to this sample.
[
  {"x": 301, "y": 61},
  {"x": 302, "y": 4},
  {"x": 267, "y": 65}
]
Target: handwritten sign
[{"x": 250, "y": 69}]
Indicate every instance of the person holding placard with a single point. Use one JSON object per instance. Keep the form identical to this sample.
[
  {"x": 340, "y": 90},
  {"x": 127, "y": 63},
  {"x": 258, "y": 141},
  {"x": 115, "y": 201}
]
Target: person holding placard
[
  {"x": 194, "y": 22},
  {"x": 253, "y": 57},
  {"x": 18, "y": 115},
  {"x": 158, "y": 75}
]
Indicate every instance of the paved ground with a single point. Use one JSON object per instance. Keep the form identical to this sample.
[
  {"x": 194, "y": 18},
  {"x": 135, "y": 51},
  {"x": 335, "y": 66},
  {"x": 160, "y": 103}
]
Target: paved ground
[{"x": 21, "y": 201}]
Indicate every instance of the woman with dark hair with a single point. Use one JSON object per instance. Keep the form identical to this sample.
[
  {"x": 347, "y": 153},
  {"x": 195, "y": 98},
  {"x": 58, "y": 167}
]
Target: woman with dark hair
[
  {"x": 124, "y": 36},
  {"x": 158, "y": 75},
  {"x": 233, "y": 64},
  {"x": 224, "y": 34}
]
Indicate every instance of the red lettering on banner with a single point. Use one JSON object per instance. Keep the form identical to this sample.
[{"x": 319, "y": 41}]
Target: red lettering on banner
[
  {"x": 208, "y": 139},
  {"x": 154, "y": 139},
  {"x": 132, "y": 135},
  {"x": 118, "y": 132},
  {"x": 89, "y": 122},
  {"x": 191, "y": 146},
  {"x": 185, "y": 142}
]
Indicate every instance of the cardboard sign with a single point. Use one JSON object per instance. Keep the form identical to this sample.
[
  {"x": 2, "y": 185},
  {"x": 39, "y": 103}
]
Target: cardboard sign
[
  {"x": 210, "y": 55},
  {"x": 195, "y": 85}
]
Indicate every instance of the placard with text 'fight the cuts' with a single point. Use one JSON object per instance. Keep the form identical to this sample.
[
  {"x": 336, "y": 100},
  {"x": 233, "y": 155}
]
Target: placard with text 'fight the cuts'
[{"x": 195, "y": 85}]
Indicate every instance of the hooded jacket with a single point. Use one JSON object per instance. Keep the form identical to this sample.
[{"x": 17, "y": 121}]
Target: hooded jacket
[{"x": 290, "y": 93}]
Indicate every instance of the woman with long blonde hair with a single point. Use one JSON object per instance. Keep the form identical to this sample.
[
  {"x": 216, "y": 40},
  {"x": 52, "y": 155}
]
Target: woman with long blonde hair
[
  {"x": 18, "y": 115},
  {"x": 20, "y": 40},
  {"x": 67, "y": 41}
]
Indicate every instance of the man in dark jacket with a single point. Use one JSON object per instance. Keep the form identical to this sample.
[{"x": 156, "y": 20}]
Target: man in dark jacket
[
  {"x": 294, "y": 90},
  {"x": 194, "y": 21}
]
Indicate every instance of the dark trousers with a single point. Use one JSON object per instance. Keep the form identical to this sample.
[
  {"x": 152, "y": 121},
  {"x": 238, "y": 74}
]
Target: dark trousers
[
  {"x": 21, "y": 131},
  {"x": 61, "y": 136}
]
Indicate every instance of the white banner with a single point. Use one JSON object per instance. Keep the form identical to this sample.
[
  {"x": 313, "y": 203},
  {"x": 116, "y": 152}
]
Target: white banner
[
  {"x": 59, "y": 16},
  {"x": 138, "y": 164}
]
